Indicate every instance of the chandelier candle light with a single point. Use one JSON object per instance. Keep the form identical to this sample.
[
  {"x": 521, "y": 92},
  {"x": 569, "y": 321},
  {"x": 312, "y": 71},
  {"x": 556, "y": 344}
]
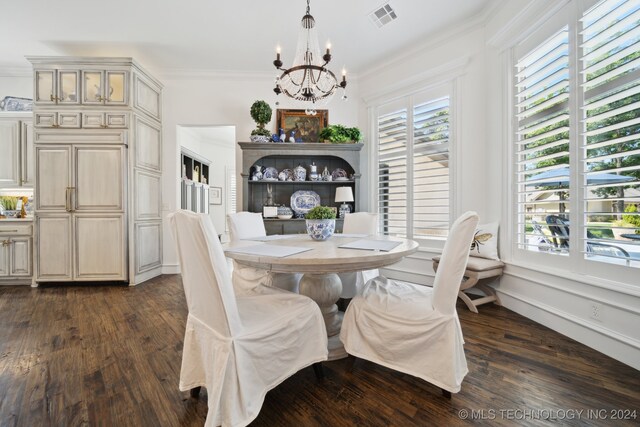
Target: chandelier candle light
[{"x": 308, "y": 79}]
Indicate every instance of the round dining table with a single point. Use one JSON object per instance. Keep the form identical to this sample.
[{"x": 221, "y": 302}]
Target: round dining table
[{"x": 319, "y": 265}]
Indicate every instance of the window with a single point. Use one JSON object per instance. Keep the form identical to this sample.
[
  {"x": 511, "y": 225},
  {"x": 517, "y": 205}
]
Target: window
[
  {"x": 578, "y": 138},
  {"x": 413, "y": 166}
]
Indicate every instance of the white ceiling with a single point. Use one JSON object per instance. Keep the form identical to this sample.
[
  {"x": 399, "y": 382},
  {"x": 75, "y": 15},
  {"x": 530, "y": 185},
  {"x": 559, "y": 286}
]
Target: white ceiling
[{"x": 235, "y": 35}]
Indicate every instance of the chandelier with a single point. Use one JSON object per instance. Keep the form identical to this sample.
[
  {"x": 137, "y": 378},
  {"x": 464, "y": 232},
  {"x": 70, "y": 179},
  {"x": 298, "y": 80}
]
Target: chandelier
[{"x": 308, "y": 79}]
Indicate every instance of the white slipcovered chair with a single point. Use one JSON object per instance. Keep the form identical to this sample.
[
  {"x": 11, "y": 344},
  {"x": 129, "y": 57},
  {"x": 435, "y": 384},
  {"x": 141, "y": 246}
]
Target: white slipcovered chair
[
  {"x": 245, "y": 226},
  {"x": 238, "y": 347},
  {"x": 411, "y": 328},
  {"x": 358, "y": 223}
]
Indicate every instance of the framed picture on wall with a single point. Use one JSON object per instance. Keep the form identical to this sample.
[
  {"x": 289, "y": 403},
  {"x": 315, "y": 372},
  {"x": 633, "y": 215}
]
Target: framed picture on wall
[
  {"x": 307, "y": 128},
  {"x": 215, "y": 195}
]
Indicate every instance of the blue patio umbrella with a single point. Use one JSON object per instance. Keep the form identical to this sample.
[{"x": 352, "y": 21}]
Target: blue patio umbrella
[{"x": 558, "y": 177}]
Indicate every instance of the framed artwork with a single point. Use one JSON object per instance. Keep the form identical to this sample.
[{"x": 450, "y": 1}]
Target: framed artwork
[
  {"x": 306, "y": 127},
  {"x": 215, "y": 195}
]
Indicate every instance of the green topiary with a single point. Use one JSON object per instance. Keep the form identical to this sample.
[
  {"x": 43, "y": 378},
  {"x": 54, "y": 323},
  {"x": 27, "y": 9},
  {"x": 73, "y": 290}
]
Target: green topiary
[
  {"x": 632, "y": 219},
  {"x": 261, "y": 114},
  {"x": 321, "y": 212}
]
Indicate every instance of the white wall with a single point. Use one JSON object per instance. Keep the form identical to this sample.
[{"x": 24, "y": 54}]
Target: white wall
[
  {"x": 221, "y": 99},
  {"x": 16, "y": 85}
]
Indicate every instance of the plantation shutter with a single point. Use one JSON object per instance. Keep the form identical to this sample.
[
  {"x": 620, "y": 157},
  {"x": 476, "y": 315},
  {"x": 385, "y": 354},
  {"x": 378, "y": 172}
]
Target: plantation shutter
[
  {"x": 392, "y": 170},
  {"x": 542, "y": 146},
  {"x": 610, "y": 77},
  {"x": 431, "y": 168}
]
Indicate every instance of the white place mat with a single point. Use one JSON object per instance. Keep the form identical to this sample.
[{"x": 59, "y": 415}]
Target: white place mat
[
  {"x": 272, "y": 237},
  {"x": 371, "y": 245},
  {"x": 276, "y": 251},
  {"x": 349, "y": 235}
]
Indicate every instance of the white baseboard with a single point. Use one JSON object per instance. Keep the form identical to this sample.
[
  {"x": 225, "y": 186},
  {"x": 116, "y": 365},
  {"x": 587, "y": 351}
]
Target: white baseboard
[{"x": 170, "y": 269}]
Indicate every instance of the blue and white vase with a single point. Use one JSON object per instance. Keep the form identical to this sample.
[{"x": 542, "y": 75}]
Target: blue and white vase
[
  {"x": 299, "y": 173},
  {"x": 320, "y": 229}
]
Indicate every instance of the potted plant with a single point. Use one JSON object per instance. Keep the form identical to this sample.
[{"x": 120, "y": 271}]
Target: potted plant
[
  {"x": 261, "y": 114},
  {"x": 321, "y": 222},
  {"x": 338, "y": 134}
]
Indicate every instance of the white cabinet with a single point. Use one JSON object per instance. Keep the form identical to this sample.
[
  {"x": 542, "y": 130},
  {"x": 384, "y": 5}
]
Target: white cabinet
[
  {"x": 16, "y": 150},
  {"x": 104, "y": 120},
  {"x": 98, "y": 171},
  {"x": 69, "y": 120},
  {"x": 101, "y": 87},
  {"x": 56, "y": 87},
  {"x": 16, "y": 252}
]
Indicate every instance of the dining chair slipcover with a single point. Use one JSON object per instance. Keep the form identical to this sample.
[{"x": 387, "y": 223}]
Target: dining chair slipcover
[
  {"x": 238, "y": 347},
  {"x": 358, "y": 223},
  {"x": 411, "y": 328},
  {"x": 247, "y": 225}
]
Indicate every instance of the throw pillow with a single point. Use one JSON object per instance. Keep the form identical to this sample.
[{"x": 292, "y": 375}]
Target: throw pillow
[{"x": 485, "y": 241}]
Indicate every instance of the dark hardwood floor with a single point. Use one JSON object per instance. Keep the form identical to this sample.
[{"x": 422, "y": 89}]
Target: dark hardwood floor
[{"x": 110, "y": 356}]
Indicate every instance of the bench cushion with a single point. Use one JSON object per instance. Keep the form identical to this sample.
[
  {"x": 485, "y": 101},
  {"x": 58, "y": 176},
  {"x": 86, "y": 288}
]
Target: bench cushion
[{"x": 479, "y": 264}]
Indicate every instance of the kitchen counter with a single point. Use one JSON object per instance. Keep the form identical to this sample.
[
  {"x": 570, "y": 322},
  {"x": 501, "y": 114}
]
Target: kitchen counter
[{"x": 28, "y": 219}]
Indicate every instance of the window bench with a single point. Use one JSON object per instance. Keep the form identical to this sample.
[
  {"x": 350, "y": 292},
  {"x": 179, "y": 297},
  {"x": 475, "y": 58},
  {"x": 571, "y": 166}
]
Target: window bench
[{"x": 477, "y": 269}]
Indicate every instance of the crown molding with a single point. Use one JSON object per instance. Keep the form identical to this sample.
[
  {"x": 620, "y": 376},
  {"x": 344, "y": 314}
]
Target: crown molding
[
  {"x": 524, "y": 23},
  {"x": 473, "y": 23}
]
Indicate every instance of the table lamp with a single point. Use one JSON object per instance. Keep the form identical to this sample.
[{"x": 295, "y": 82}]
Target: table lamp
[{"x": 344, "y": 194}]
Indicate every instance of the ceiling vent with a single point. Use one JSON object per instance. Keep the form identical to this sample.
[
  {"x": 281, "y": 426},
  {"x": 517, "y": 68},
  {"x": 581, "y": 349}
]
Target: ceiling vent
[{"x": 383, "y": 15}]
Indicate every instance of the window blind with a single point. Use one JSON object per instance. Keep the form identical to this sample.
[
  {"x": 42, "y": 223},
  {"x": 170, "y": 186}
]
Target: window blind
[
  {"x": 392, "y": 172},
  {"x": 413, "y": 167},
  {"x": 431, "y": 168},
  {"x": 542, "y": 146},
  {"x": 610, "y": 81}
]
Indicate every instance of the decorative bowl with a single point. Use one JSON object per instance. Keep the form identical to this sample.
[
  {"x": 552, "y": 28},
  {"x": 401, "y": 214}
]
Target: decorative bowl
[
  {"x": 260, "y": 138},
  {"x": 11, "y": 213},
  {"x": 320, "y": 229},
  {"x": 285, "y": 212},
  {"x": 285, "y": 216}
]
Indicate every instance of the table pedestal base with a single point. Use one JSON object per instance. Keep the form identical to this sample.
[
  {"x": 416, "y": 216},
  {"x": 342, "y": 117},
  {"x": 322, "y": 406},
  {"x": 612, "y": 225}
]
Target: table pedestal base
[{"x": 325, "y": 290}]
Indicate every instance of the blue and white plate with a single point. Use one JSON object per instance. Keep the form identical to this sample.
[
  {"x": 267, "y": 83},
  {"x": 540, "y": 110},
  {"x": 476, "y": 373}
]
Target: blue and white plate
[
  {"x": 303, "y": 201},
  {"x": 271, "y": 174}
]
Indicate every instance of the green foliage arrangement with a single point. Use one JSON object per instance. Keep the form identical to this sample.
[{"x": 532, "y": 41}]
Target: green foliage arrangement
[
  {"x": 632, "y": 219},
  {"x": 261, "y": 114},
  {"x": 340, "y": 134},
  {"x": 321, "y": 212},
  {"x": 9, "y": 202}
]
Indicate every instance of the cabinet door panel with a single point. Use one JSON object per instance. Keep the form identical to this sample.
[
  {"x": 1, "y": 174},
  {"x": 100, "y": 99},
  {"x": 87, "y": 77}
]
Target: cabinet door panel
[
  {"x": 116, "y": 88},
  {"x": 69, "y": 120},
  {"x": 146, "y": 98},
  {"x": 54, "y": 247},
  {"x": 92, "y": 120},
  {"x": 100, "y": 247},
  {"x": 28, "y": 154},
  {"x": 68, "y": 87},
  {"x": 4, "y": 257},
  {"x": 9, "y": 152},
  {"x": 53, "y": 177},
  {"x": 148, "y": 145},
  {"x": 116, "y": 120},
  {"x": 20, "y": 256},
  {"x": 45, "y": 89},
  {"x": 147, "y": 196},
  {"x": 45, "y": 120},
  {"x": 99, "y": 179},
  {"x": 148, "y": 246},
  {"x": 92, "y": 87}
]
